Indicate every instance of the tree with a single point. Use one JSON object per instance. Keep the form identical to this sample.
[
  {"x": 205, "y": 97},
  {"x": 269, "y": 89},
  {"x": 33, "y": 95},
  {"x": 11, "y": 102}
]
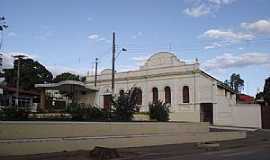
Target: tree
[
  {"x": 259, "y": 96},
  {"x": 227, "y": 83},
  {"x": 66, "y": 76},
  {"x": 236, "y": 83},
  {"x": 31, "y": 73},
  {"x": 83, "y": 78},
  {"x": 266, "y": 91}
]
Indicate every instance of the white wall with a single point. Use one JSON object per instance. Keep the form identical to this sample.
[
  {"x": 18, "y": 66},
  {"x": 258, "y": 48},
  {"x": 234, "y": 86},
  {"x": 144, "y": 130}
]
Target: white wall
[
  {"x": 247, "y": 115},
  {"x": 228, "y": 113}
]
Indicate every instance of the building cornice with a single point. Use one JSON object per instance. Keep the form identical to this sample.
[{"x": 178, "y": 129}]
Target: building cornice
[{"x": 191, "y": 72}]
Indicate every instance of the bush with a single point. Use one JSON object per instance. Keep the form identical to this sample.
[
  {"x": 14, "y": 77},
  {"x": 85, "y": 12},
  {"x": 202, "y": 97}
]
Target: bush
[
  {"x": 159, "y": 111},
  {"x": 12, "y": 114},
  {"x": 86, "y": 113},
  {"x": 125, "y": 106}
]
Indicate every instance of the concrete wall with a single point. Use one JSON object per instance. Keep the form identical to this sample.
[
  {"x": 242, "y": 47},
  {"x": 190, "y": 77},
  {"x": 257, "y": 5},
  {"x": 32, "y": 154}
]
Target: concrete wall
[
  {"x": 240, "y": 115},
  {"x": 19, "y": 138},
  {"x": 188, "y": 116},
  {"x": 17, "y": 130},
  {"x": 247, "y": 115},
  {"x": 88, "y": 98}
]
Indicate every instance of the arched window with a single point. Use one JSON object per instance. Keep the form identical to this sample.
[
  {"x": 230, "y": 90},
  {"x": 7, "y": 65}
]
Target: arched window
[
  {"x": 155, "y": 95},
  {"x": 185, "y": 94},
  {"x": 167, "y": 95},
  {"x": 139, "y": 97}
]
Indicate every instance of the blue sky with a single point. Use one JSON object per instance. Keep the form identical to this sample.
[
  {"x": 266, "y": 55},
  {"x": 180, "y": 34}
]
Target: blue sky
[{"x": 226, "y": 36}]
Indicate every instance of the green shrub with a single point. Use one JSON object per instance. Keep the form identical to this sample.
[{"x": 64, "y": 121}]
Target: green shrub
[
  {"x": 125, "y": 106},
  {"x": 85, "y": 113},
  {"x": 159, "y": 111},
  {"x": 12, "y": 114}
]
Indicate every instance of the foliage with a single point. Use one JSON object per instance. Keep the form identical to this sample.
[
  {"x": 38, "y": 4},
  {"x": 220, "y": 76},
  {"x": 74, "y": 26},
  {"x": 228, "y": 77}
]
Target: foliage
[
  {"x": 159, "y": 111},
  {"x": 66, "y": 76},
  {"x": 83, "y": 78},
  {"x": 236, "y": 83},
  {"x": 227, "y": 83},
  {"x": 11, "y": 114},
  {"x": 259, "y": 96},
  {"x": 85, "y": 113},
  {"x": 31, "y": 73},
  {"x": 125, "y": 105},
  {"x": 266, "y": 91}
]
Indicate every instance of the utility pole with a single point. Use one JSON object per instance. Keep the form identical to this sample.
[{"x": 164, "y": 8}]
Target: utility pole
[
  {"x": 96, "y": 66},
  {"x": 3, "y": 26},
  {"x": 113, "y": 62},
  {"x": 19, "y": 58}
]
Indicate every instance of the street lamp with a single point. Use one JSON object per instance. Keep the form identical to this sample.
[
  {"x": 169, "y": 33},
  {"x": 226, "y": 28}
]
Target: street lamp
[
  {"x": 18, "y": 58},
  {"x": 113, "y": 68}
]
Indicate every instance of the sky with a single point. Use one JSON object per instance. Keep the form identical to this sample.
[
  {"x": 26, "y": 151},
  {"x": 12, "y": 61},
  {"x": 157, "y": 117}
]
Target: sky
[{"x": 227, "y": 36}]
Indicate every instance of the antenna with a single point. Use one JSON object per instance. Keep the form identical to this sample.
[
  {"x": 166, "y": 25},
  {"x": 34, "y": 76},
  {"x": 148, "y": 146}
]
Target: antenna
[{"x": 170, "y": 47}]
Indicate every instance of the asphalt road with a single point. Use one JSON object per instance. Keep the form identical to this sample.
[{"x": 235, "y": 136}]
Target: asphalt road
[
  {"x": 255, "y": 147},
  {"x": 261, "y": 152}
]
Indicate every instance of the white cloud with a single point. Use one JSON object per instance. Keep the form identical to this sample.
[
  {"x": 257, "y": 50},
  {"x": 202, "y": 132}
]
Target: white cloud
[
  {"x": 140, "y": 60},
  {"x": 8, "y": 58},
  {"x": 138, "y": 34},
  {"x": 197, "y": 11},
  {"x": 233, "y": 61},
  {"x": 12, "y": 34},
  {"x": 213, "y": 45},
  {"x": 125, "y": 68},
  {"x": 45, "y": 33},
  {"x": 93, "y": 36},
  {"x": 260, "y": 26},
  {"x": 55, "y": 69},
  {"x": 228, "y": 35},
  {"x": 98, "y": 38},
  {"x": 58, "y": 69},
  {"x": 204, "y": 7},
  {"x": 220, "y": 2}
]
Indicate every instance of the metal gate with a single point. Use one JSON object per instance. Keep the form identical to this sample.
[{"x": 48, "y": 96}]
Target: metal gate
[{"x": 265, "y": 116}]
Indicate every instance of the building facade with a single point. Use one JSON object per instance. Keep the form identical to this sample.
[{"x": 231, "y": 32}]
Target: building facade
[{"x": 193, "y": 95}]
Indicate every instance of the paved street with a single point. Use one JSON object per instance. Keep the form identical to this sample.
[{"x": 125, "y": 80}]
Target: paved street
[
  {"x": 261, "y": 152},
  {"x": 255, "y": 147}
]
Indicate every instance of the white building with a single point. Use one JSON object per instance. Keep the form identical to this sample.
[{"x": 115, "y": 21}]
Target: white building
[{"x": 193, "y": 94}]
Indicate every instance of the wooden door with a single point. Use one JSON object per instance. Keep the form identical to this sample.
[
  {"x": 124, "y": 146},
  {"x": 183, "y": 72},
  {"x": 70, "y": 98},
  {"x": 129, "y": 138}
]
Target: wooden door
[{"x": 107, "y": 101}]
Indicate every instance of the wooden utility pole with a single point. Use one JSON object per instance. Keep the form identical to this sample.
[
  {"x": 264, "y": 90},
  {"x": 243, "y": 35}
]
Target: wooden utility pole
[
  {"x": 96, "y": 66},
  {"x": 113, "y": 62},
  {"x": 18, "y": 58}
]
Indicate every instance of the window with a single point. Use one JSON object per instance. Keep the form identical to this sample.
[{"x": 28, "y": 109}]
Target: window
[
  {"x": 167, "y": 95},
  {"x": 139, "y": 97},
  {"x": 155, "y": 95},
  {"x": 185, "y": 94}
]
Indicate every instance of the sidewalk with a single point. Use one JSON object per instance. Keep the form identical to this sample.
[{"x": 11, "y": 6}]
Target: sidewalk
[{"x": 234, "y": 128}]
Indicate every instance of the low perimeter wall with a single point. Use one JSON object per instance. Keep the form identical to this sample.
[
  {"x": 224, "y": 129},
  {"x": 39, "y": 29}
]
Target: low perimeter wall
[
  {"x": 19, "y": 138},
  {"x": 24, "y": 130}
]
